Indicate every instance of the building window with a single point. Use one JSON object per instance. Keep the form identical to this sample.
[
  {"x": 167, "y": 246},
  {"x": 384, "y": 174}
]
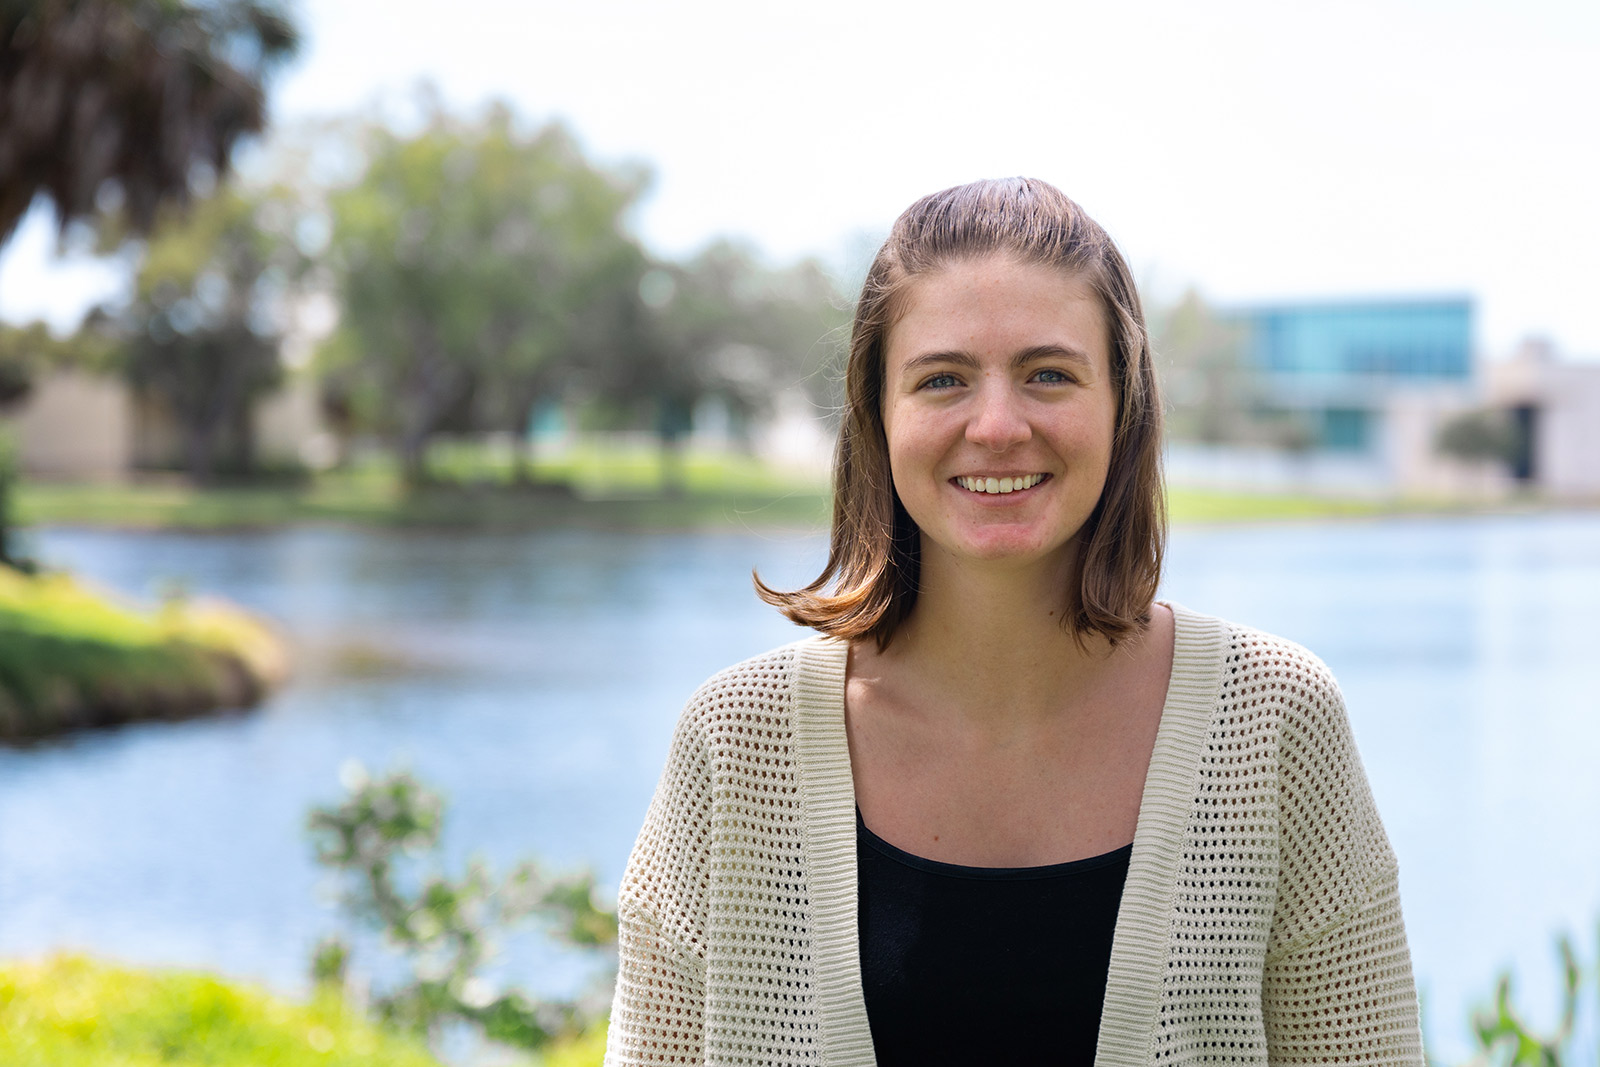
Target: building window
[{"x": 1346, "y": 429}]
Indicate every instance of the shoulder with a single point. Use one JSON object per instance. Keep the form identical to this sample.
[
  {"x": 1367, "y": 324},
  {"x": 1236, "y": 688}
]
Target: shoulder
[
  {"x": 1331, "y": 844},
  {"x": 1259, "y": 677},
  {"x": 757, "y": 692},
  {"x": 731, "y": 740},
  {"x": 1275, "y": 697},
  {"x": 1264, "y": 670}
]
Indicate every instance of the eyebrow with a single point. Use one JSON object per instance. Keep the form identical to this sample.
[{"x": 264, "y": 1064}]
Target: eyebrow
[{"x": 1021, "y": 359}]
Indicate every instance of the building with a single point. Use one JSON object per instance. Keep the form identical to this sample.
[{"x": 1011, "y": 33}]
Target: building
[
  {"x": 1554, "y": 408},
  {"x": 75, "y": 425},
  {"x": 1341, "y": 365},
  {"x": 1357, "y": 391}
]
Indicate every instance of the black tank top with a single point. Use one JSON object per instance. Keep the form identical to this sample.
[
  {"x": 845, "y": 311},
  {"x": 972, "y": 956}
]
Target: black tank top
[{"x": 966, "y": 965}]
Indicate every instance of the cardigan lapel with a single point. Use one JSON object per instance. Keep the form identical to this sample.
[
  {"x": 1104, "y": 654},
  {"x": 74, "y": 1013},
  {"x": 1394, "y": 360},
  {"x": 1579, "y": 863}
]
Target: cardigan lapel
[
  {"x": 828, "y": 794},
  {"x": 1140, "y": 944}
]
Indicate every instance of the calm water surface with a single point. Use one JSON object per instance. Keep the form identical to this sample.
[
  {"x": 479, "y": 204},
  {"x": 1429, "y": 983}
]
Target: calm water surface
[{"x": 535, "y": 679}]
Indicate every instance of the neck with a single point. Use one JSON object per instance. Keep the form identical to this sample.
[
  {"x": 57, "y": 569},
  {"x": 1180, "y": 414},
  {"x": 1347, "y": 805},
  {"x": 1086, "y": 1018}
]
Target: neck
[{"x": 990, "y": 636}]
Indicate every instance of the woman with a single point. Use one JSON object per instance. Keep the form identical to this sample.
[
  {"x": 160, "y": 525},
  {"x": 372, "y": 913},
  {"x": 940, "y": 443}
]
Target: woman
[{"x": 1008, "y": 807}]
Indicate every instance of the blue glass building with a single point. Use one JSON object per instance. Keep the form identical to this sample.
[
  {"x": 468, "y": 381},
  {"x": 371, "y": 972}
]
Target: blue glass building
[{"x": 1336, "y": 362}]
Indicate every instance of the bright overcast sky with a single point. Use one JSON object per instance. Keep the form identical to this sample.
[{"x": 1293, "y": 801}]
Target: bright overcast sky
[{"x": 1259, "y": 151}]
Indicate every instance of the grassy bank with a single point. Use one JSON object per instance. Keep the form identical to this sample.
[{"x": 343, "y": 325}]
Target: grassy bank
[
  {"x": 178, "y": 507},
  {"x": 598, "y": 486},
  {"x": 71, "y": 657},
  {"x": 625, "y": 487},
  {"x": 70, "y": 1011}
]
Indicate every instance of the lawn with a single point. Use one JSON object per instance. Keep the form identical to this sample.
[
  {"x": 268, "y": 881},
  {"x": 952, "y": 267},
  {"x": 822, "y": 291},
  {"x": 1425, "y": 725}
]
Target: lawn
[
  {"x": 598, "y": 485},
  {"x": 70, "y": 1011},
  {"x": 74, "y": 1011}
]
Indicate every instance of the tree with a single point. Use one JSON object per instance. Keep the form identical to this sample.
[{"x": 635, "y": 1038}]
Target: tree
[
  {"x": 725, "y": 325},
  {"x": 125, "y": 103},
  {"x": 27, "y": 351},
  {"x": 120, "y": 101},
  {"x": 475, "y": 263},
  {"x": 1484, "y": 436},
  {"x": 1217, "y": 396},
  {"x": 1209, "y": 384},
  {"x": 202, "y": 332}
]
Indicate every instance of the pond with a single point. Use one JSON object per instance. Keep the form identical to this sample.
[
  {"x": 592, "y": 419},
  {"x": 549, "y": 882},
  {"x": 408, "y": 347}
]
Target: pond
[{"x": 535, "y": 678}]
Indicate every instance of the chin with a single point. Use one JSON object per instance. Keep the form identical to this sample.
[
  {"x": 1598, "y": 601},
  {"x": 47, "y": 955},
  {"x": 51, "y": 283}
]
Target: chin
[{"x": 1020, "y": 551}]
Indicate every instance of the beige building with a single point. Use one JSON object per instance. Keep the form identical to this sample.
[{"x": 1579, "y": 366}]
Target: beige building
[
  {"x": 74, "y": 426},
  {"x": 78, "y": 426},
  {"x": 1556, "y": 404}
]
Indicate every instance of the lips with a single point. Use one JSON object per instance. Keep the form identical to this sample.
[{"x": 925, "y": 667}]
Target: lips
[{"x": 1010, "y": 484}]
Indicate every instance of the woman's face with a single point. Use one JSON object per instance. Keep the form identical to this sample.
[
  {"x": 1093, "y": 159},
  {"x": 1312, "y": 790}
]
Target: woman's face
[{"x": 999, "y": 408}]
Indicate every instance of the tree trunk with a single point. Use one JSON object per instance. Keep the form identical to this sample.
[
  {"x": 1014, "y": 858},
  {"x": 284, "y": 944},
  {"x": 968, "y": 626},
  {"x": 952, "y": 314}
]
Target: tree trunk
[
  {"x": 522, "y": 462},
  {"x": 431, "y": 384},
  {"x": 673, "y": 482},
  {"x": 411, "y": 449},
  {"x": 523, "y": 454},
  {"x": 9, "y": 468},
  {"x": 200, "y": 454}
]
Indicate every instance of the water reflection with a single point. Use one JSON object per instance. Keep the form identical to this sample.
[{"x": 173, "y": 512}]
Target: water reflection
[{"x": 535, "y": 679}]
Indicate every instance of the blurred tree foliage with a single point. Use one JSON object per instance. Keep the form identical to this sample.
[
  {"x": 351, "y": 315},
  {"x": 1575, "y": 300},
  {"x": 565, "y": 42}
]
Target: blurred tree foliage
[
  {"x": 126, "y": 103},
  {"x": 725, "y": 325},
  {"x": 1506, "y": 1039},
  {"x": 1483, "y": 436},
  {"x": 447, "y": 929},
  {"x": 202, "y": 332},
  {"x": 474, "y": 263},
  {"x": 484, "y": 272},
  {"x": 1215, "y": 394},
  {"x": 29, "y": 351}
]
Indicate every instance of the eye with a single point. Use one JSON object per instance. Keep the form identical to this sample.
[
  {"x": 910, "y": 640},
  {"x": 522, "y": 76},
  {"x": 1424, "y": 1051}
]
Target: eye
[
  {"x": 1052, "y": 376},
  {"x": 942, "y": 380}
]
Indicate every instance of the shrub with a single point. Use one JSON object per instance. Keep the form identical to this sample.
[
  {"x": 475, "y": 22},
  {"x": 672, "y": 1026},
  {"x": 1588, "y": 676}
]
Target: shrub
[{"x": 446, "y": 929}]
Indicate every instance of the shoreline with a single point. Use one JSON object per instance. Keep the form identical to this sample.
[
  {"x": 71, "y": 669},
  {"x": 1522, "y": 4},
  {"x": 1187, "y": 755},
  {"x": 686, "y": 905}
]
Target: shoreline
[
  {"x": 147, "y": 507},
  {"x": 73, "y": 657}
]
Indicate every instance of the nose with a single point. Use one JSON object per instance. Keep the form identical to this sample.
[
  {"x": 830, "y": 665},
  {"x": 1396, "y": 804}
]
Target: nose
[{"x": 999, "y": 421}]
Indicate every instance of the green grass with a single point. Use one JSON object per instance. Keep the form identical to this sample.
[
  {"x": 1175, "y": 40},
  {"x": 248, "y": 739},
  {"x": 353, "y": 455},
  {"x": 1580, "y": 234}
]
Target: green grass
[
  {"x": 595, "y": 486},
  {"x": 71, "y": 657},
  {"x": 72, "y": 1011},
  {"x": 611, "y": 501},
  {"x": 599, "y": 484},
  {"x": 69, "y": 1011},
  {"x": 1212, "y": 505},
  {"x": 173, "y": 504},
  {"x": 601, "y": 469}
]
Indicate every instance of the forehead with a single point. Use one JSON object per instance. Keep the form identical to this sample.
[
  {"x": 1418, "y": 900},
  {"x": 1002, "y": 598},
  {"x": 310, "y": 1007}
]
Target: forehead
[{"x": 996, "y": 305}]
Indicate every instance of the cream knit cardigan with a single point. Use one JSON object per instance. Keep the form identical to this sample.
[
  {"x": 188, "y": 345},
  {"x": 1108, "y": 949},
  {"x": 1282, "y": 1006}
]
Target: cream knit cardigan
[{"x": 1260, "y": 922}]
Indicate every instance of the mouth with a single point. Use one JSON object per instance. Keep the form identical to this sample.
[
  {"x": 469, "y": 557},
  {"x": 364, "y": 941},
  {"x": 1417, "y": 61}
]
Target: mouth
[{"x": 1013, "y": 484}]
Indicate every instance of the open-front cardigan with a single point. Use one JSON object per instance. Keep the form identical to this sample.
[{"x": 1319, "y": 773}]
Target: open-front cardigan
[{"x": 1260, "y": 922}]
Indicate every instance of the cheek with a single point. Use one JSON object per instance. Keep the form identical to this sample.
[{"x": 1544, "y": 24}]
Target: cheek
[
  {"x": 903, "y": 462},
  {"x": 914, "y": 452},
  {"x": 1102, "y": 433}
]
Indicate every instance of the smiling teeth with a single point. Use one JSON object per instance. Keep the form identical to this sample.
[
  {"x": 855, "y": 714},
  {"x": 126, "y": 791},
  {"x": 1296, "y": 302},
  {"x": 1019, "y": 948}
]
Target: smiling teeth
[{"x": 999, "y": 485}]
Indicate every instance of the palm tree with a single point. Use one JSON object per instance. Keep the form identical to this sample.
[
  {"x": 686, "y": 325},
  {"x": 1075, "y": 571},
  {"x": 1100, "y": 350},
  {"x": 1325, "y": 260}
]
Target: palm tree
[{"x": 127, "y": 102}]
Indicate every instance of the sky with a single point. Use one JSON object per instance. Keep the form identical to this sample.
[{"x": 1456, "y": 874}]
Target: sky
[{"x": 1259, "y": 152}]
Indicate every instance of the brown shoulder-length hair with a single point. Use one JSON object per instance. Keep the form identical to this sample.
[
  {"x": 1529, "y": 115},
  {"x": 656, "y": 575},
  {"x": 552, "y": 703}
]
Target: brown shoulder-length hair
[{"x": 869, "y": 585}]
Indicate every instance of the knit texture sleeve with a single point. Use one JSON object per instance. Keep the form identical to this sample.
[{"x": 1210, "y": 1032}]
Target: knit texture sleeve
[
  {"x": 658, "y": 1010},
  {"x": 1337, "y": 984},
  {"x": 717, "y": 961}
]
